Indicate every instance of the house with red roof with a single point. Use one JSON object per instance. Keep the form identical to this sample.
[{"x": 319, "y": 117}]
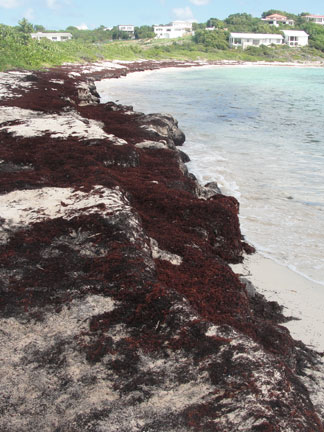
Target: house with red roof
[{"x": 277, "y": 19}]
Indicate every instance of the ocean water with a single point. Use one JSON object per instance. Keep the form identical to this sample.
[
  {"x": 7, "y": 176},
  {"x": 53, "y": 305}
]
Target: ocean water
[{"x": 259, "y": 132}]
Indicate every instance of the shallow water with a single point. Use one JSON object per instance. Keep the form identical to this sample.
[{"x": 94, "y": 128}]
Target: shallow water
[{"x": 258, "y": 132}]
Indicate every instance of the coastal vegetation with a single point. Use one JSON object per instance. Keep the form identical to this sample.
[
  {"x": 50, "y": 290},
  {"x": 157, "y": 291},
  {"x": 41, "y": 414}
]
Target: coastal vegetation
[{"x": 19, "y": 50}]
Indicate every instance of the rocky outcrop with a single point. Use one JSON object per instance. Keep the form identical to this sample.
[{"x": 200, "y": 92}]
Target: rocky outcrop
[
  {"x": 162, "y": 127},
  {"x": 87, "y": 93},
  {"x": 119, "y": 310}
]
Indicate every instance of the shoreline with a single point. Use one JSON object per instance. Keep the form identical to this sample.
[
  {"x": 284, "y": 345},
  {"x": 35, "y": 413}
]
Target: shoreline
[
  {"x": 266, "y": 271},
  {"x": 108, "y": 69},
  {"x": 301, "y": 298}
]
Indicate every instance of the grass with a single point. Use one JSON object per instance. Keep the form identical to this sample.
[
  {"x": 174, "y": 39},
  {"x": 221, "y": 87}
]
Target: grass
[{"x": 35, "y": 55}]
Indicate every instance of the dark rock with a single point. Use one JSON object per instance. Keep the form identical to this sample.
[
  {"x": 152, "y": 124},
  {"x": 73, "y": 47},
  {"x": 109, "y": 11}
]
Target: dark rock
[
  {"x": 213, "y": 187},
  {"x": 7, "y": 167},
  {"x": 111, "y": 106},
  {"x": 208, "y": 191},
  {"x": 183, "y": 156},
  {"x": 162, "y": 126},
  {"x": 87, "y": 94},
  {"x": 31, "y": 78}
]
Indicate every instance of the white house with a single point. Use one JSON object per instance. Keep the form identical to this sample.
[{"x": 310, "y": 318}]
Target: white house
[
  {"x": 174, "y": 30},
  {"x": 295, "y": 38},
  {"x": 317, "y": 19},
  {"x": 245, "y": 40},
  {"x": 126, "y": 28},
  {"x": 276, "y": 19},
  {"x": 55, "y": 37}
]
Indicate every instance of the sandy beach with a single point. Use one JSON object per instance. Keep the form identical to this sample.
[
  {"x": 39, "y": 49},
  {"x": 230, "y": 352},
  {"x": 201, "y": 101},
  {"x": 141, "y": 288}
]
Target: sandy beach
[{"x": 301, "y": 298}]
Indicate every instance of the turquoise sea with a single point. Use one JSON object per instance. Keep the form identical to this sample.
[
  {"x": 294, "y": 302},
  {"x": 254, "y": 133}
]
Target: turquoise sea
[{"x": 259, "y": 132}]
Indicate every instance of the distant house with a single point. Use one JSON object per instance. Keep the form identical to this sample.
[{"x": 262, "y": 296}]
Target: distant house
[
  {"x": 317, "y": 19},
  {"x": 245, "y": 40},
  {"x": 276, "y": 20},
  {"x": 295, "y": 38},
  {"x": 55, "y": 37},
  {"x": 126, "y": 28},
  {"x": 215, "y": 28},
  {"x": 174, "y": 30}
]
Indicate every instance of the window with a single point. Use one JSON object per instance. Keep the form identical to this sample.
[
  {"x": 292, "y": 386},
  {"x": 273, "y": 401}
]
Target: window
[
  {"x": 256, "y": 41},
  {"x": 237, "y": 41}
]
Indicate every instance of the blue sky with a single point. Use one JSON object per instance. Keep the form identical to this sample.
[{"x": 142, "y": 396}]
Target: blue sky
[{"x": 58, "y": 14}]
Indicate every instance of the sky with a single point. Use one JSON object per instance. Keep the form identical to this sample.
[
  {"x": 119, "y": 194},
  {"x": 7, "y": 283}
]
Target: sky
[{"x": 59, "y": 14}]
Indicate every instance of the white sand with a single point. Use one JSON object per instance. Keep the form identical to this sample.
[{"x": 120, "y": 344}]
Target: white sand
[
  {"x": 11, "y": 81},
  {"x": 301, "y": 298},
  {"x": 37, "y": 123},
  {"x": 20, "y": 208},
  {"x": 23, "y": 207}
]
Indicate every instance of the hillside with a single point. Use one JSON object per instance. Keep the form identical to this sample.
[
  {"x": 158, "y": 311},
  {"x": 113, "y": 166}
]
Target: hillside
[{"x": 18, "y": 50}]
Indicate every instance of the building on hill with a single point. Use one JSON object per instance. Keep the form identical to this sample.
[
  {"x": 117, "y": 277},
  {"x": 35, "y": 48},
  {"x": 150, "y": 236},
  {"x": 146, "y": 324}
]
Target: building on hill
[
  {"x": 316, "y": 19},
  {"x": 292, "y": 38},
  {"x": 277, "y": 19},
  {"x": 295, "y": 38},
  {"x": 128, "y": 28},
  {"x": 55, "y": 37},
  {"x": 245, "y": 40},
  {"x": 174, "y": 30}
]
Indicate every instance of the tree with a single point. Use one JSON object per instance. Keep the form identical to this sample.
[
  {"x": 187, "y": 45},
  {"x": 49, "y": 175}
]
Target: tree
[
  {"x": 246, "y": 23},
  {"x": 198, "y": 26},
  {"x": 144, "y": 32},
  {"x": 316, "y": 34},
  {"x": 39, "y": 28},
  {"x": 239, "y": 18},
  {"x": 241, "y": 22},
  {"x": 215, "y": 22},
  {"x": 71, "y": 29},
  {"x": 25, "y": 26},
  {"x": 117, "y": 34},
  {"x": 212, "y": 39}
]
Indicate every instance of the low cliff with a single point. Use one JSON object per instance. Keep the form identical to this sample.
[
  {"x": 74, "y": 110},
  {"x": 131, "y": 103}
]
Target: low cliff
[{"x": 119, "y": 310}]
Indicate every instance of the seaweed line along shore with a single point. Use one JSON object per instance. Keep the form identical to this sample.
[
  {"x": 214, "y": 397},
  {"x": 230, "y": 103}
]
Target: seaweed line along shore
[{"x": 119, "y": 308}]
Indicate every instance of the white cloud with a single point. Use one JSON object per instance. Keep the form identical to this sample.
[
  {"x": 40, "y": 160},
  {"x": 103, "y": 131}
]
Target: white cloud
[
  {"x": 9, "y": 4},
  {"x": 199, "y": 2},
  {"x": 82, "y": 26},
  {"x": 183, "y": 13}
]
